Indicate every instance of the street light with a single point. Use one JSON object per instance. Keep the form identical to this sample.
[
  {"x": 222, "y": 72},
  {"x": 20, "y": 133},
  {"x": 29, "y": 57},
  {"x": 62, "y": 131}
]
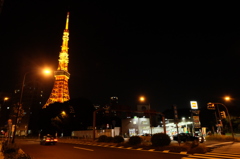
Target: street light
[
  {"x": 63, "y": 113},
  {"x": 147, "y": 110},
  {"x": 5, "y": 99},
  {"x": 227, "y": 98},
  {"x": 142, "y": 98},
  {"x": 45, "y": 71}
]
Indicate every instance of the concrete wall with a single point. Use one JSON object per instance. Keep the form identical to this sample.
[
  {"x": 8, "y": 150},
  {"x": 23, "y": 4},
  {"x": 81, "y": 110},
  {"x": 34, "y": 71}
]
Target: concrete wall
[{"x": 89, "y": 133}]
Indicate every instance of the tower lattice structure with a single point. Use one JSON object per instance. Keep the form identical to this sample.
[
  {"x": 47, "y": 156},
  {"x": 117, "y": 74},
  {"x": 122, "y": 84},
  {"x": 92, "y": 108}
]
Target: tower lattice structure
[{"x": 60, "y": 91}]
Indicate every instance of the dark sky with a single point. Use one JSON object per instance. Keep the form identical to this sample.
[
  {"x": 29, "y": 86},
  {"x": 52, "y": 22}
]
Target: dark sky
[{"x": 171, "y": 53}]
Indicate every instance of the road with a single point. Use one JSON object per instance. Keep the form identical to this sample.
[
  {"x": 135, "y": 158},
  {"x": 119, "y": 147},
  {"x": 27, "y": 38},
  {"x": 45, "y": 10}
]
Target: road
[{"x": 72, "y": 151}]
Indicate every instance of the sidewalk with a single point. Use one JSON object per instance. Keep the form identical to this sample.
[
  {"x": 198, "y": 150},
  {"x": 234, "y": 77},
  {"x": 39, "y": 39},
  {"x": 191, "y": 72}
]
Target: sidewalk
[{"x": 231, "y": 148}]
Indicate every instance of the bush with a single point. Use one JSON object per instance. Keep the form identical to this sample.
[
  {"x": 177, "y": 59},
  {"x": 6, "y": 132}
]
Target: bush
[
  {"x": 102, "y": 138},
  {"x": 23, "y": 156},
  {"x": 160, "y": 139},
  {"x": 8, "y": 148},
  {"x": 221, "y": 138},
  {"x": 134, "y": 140},
  {"x": 118, "y": 139},
  {"x": 108, "y": 139},
  {"x": 11, "y": 151}
]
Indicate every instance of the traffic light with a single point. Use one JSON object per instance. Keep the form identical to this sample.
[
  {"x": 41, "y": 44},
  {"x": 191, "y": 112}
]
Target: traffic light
[
  {"x": 211, "y": 106},
  {"x": 223, "y": 114}
]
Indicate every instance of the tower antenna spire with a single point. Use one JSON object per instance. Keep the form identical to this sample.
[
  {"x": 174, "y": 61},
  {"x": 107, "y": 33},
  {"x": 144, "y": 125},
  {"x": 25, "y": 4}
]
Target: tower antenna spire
[{"x": 67, "y": 21}]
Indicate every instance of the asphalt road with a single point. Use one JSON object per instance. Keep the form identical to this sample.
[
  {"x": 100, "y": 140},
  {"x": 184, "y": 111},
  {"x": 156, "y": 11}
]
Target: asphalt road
[{"x": 72, "y": 151}]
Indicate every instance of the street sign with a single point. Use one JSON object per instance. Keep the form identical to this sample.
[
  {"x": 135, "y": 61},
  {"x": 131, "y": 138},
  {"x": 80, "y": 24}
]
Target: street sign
[{"x": 175, "y": 113}]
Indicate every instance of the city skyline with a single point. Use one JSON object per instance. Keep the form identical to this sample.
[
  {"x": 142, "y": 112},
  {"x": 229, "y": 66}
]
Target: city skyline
[{"x": 168, "y": 55}]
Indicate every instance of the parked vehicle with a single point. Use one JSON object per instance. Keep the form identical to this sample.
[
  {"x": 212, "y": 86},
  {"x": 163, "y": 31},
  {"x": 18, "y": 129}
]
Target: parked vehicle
[
  {"x": 183, "y": 137},
  {"x": 48, "y": 140}
]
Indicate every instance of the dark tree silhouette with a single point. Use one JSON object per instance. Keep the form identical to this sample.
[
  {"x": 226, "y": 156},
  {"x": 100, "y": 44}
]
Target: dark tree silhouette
[{"x": 78, "y": 115}]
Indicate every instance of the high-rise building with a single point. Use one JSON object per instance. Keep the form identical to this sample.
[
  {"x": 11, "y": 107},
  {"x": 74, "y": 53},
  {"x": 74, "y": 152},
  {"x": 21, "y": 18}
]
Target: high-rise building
[
  {"x": 60, "y": 92},
  {"x": 32, "y": 101}
]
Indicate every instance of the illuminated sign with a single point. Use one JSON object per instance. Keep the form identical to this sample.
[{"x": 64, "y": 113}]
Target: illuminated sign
[{"x": 194, "y": 104}]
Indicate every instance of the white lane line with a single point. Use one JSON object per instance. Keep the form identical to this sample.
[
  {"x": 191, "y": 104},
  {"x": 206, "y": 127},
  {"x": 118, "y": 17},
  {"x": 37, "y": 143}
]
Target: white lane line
[{"x": 83, "y": 148}]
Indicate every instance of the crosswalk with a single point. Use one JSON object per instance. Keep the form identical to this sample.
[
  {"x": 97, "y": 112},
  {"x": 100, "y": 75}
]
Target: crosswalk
[
  {"x": 218, "y": 145},
  {"x": 214, "y": 156}
]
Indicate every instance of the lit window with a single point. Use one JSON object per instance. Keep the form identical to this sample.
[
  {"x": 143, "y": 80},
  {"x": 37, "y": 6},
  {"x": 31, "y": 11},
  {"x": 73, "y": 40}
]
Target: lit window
[{"x": 144, "y": 122}]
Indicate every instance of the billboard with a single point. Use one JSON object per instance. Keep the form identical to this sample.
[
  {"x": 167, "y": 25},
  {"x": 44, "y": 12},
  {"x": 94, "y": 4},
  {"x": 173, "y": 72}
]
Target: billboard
[{"x": 194, "y": 105}]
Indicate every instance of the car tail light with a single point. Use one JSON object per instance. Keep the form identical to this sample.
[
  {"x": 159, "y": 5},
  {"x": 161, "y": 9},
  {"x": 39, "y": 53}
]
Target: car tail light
[
  {"x": 55, "y": 139},
  {"x": 47, "y": 140}
]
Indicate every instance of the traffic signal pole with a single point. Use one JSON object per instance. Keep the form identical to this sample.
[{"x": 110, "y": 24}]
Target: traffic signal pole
[
  {"x": 211, "y": 105},
  {"x": 230, "y": 122}
]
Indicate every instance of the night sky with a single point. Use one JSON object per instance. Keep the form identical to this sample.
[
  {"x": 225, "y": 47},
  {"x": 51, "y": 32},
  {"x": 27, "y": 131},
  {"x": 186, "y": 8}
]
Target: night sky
[{"x": 171, "y": 54}]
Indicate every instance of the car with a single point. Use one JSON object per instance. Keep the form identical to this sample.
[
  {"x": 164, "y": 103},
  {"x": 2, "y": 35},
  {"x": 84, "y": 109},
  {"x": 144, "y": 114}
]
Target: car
[
  {"x": 183, "y": 137},
  {"x": 48, "y": 140}
]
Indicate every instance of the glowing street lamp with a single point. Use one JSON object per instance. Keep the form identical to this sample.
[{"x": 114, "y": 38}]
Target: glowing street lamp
[
  {"x": 63, "y": 113},
  {"x": 142, "y": 98},
  {"x": 227, "y": 98},
  {"x": 5, "y": 99},
  {"x": 47, "y": 71}
]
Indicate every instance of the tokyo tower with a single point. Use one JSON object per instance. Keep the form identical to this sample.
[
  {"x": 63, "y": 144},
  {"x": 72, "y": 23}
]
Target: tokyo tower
[{"x": 60, "y": 92}]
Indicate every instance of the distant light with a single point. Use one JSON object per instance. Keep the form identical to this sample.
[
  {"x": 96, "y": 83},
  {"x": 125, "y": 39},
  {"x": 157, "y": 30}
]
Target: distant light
[
  {"x": 227, "y": 98},
  {"x": 142, "y": 98},
  {"x": 47, "y": 71},
  {"x": 194, "y": 104}
]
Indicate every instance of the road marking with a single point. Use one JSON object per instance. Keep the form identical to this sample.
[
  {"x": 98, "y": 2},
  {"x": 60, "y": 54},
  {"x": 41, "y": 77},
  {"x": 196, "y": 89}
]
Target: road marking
[{"x": 83, "y": 148}]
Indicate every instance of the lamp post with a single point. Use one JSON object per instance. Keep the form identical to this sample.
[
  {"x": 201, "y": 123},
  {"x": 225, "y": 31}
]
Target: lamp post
[
  {"x": 20, "y": 101},
  {"x": 142, "y": 99},
  {"x": 94, "y": 122}
]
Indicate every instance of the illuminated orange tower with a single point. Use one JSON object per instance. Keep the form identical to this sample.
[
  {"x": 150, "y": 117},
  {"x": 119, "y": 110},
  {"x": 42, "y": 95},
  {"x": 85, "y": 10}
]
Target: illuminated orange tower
[{"x": 60, "y": 92}]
